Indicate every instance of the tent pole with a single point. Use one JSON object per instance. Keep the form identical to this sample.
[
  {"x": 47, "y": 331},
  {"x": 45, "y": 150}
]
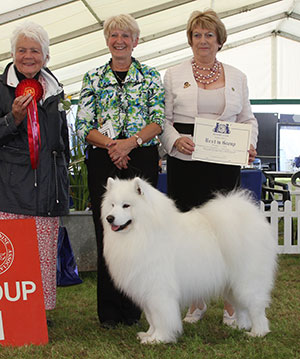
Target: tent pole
[{"x": 274, "y": 65}]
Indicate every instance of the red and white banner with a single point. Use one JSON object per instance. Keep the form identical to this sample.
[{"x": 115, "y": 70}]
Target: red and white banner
[{"x": 22, "y": 310}]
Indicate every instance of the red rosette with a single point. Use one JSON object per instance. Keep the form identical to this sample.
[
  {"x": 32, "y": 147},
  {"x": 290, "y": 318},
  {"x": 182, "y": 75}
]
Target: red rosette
[
  {"x": 33, "y": 87},
  {"x": 30, "y": 86}
]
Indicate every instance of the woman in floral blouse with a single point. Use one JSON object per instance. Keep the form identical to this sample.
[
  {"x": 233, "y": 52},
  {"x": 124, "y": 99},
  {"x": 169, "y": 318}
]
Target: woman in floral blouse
[{"x": 120, "y": 114}]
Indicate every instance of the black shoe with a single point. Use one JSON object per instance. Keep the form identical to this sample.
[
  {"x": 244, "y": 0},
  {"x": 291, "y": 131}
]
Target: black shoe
[
  {"x": 49, "y": 323},
  {"x": 109, "y": 324},
  {"x": 130, "y": 321}
]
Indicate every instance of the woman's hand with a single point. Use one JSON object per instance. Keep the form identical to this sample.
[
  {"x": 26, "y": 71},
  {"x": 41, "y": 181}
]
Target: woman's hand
[
  {"x": 184, "y": 145},
  {"x": 19, "y": 108},
  {"x": 252, "y": 154},
  {"x": 118, "y": 151}
]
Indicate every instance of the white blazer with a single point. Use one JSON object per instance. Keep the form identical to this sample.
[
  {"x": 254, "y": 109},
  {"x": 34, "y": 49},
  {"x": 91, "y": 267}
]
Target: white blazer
[{"x": 181, "y": 93}]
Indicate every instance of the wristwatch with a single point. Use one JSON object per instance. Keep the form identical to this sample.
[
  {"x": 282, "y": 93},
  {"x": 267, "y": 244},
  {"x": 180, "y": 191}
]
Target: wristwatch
[{"x": 139, "y": 140}]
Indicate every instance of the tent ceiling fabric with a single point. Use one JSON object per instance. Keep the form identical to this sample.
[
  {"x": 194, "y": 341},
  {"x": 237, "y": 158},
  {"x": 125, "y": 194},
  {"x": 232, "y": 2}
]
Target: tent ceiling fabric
[{"x": 263, "y": 37}]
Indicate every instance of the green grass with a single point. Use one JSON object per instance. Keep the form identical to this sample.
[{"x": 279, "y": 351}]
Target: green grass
[{"x": 76, "y": 333}]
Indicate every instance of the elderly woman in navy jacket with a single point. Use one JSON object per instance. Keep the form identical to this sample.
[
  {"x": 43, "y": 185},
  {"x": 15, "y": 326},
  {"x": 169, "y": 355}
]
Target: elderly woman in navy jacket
[
  {"x": 38, "y": 190},
  {"x": 202, "y": 87}
]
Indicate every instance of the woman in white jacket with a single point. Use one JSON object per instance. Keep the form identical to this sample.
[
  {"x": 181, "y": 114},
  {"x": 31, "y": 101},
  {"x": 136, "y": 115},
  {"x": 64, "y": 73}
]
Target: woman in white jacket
[{"x": 202, "y": 87}]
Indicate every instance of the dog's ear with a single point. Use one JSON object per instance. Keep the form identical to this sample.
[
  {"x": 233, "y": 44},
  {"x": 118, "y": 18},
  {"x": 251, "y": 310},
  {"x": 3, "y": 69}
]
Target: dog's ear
[
  {"x": 109, "y": 183},
  {"x": 138, "y": 185}
]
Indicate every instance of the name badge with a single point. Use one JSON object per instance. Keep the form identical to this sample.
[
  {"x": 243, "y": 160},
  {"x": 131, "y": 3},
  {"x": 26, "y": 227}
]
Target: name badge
[{"x": 107, "y": 130}]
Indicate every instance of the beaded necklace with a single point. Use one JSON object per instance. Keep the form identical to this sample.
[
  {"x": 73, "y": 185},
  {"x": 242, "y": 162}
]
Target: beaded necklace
[{"x": 212, "y": 76}]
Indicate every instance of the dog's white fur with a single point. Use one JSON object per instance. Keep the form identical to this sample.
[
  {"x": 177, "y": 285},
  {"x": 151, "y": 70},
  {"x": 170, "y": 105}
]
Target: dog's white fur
[{"x": 165, "y": 259}]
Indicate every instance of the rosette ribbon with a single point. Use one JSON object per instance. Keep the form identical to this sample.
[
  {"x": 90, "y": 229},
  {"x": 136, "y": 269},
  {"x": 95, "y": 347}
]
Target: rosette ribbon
[{"x": 33, "y": 87}]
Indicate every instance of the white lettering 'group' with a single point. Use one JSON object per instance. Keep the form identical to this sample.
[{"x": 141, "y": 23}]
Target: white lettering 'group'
[{"x": 21, "y": 291}]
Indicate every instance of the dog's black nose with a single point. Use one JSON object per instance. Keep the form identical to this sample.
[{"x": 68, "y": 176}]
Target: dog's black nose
[{"x": 110, "y": 219}]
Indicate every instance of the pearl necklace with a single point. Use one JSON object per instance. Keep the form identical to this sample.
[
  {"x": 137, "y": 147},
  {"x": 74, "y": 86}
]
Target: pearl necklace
[{"x": 212, "y": 76}]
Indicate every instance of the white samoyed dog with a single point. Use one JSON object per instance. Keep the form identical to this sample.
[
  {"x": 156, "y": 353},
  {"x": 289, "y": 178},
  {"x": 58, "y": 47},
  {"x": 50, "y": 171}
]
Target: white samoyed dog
[{"x": 165, "y": 260}]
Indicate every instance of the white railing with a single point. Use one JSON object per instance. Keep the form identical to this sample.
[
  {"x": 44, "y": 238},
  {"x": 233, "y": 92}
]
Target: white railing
[{"x": 282, "y": 218}]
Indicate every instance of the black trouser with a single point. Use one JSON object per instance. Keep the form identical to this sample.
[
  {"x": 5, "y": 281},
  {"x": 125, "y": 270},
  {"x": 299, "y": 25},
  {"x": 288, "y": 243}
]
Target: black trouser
[
  {"x": 192, "y": 183},
  {"x": 112, "y": 304}
]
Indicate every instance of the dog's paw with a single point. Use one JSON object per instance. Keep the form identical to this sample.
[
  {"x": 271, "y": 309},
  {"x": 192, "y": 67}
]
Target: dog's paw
[
  {"x": 243, "y": 326},
  {"x": 145, "y": 338},
  {"x": 148, "y": 340},
  {"x": 142, "y": 335},
  {"x": 254, "y": 335}
]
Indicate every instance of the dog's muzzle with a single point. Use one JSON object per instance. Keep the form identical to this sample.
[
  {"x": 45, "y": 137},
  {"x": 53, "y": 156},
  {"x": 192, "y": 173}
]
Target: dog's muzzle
[{"x": 110, "y": 219}]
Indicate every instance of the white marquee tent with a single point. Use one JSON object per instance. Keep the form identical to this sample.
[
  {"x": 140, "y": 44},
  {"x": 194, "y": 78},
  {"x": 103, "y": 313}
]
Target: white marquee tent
[{"x": 263, "y": 41}]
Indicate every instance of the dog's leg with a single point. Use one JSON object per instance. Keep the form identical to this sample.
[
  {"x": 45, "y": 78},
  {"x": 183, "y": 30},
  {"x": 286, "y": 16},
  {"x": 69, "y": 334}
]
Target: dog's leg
[
  {"x": 164, "y": 318},
  {"x": 143, "y": 335},
  {"x": 241, "y": 312},
  {"x": 243, "y": 319},
  {"x": 250, "y": 307},
  {"x": 250, "y": 313},
  {"x": 260, "y": 325}
]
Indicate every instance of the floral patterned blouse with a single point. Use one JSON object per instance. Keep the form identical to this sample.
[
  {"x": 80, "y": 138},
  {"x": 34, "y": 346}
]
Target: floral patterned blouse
[{"x": 139, "y": 102}]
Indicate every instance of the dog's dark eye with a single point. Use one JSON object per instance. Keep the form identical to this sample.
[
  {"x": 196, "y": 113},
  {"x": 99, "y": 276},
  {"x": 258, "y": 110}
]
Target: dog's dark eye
[{"x": 126, "y": 205}]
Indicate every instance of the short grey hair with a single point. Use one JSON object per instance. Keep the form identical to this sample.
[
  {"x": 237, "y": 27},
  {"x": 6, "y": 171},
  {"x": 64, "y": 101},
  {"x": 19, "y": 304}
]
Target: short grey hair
[
  {"x": 34, "y": 32},
  {"x": 124, "y": 22}
]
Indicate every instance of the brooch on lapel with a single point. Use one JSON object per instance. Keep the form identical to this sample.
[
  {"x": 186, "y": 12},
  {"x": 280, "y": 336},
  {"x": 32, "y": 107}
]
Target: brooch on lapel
[{"x": 186, "y": 85}]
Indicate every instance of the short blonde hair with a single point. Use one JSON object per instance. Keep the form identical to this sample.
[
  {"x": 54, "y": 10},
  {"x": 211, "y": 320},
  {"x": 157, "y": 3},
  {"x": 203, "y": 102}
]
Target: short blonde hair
[
  {"x": 34, "y": 32},
  {"x": 206, "y": 20},
  {"x": 122, "y": 22}
]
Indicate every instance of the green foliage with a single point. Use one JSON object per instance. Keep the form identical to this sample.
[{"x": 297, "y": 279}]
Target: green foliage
[
  {"x": 66, "y": 103},
  {"x": 76, "y": 333},
  {"x": 78, "y": 177}
]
